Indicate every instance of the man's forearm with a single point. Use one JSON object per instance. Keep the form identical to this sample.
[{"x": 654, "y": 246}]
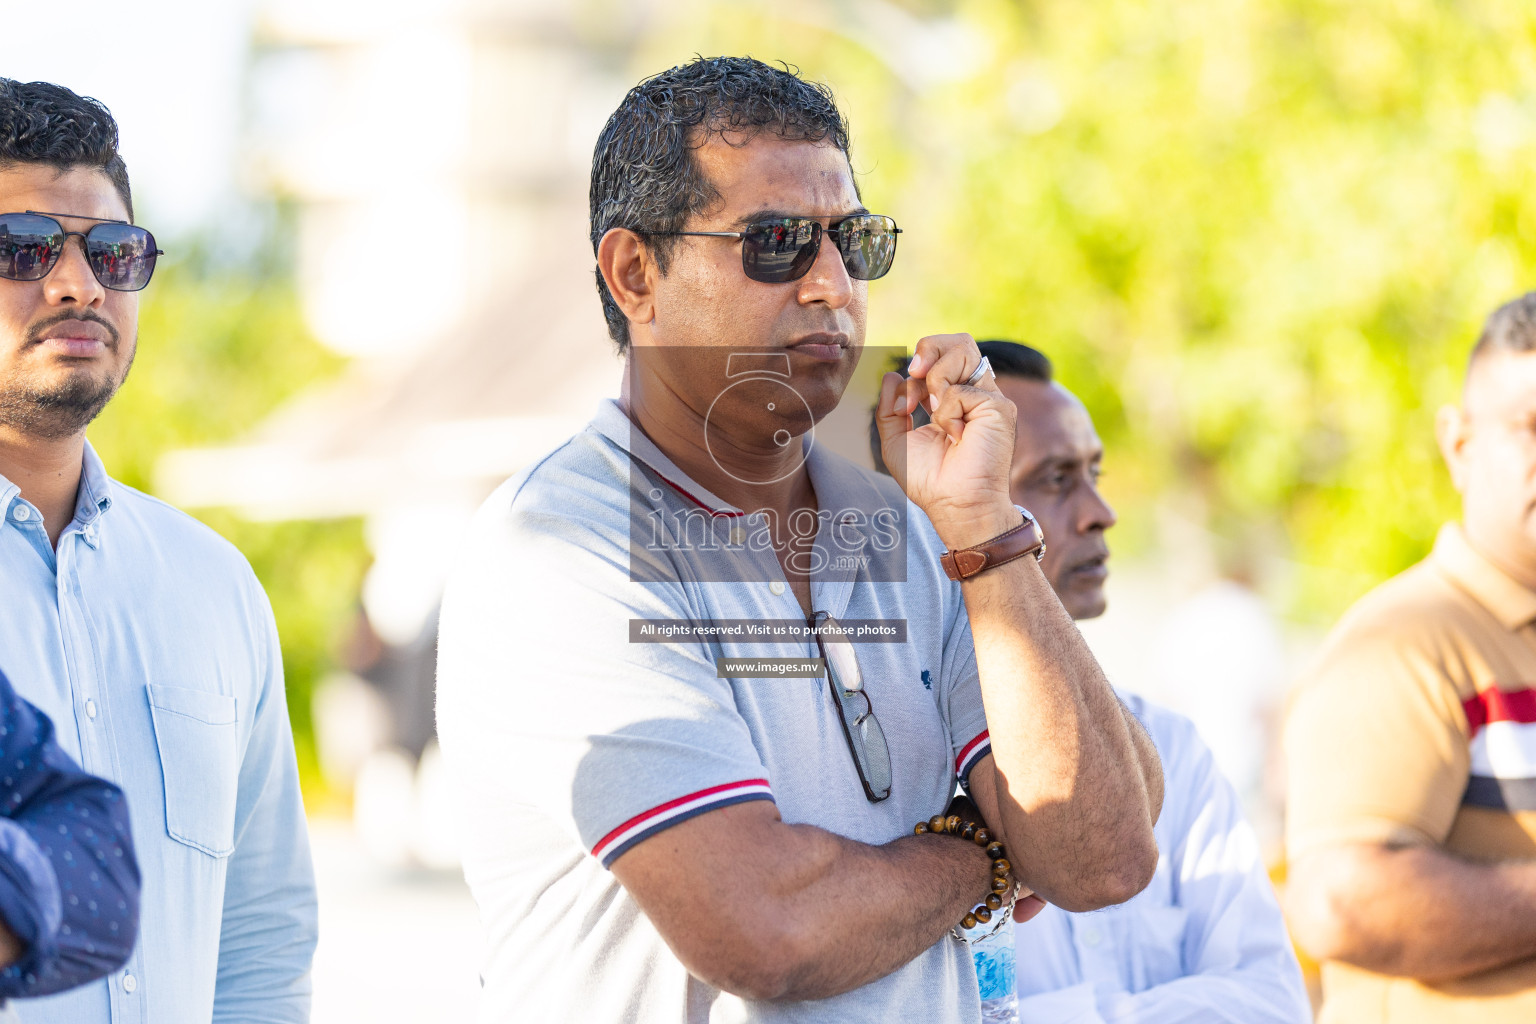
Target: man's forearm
[
  {"x": 904, "y": 897},
  {"x": 1079, "y": 783},
  {"x": 781, "y": 911},
  {"x": 1416, "y": 912}
]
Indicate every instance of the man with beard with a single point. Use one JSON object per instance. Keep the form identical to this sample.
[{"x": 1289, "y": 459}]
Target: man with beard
[
  {"x": 698, "y": 829},
  {"x": 138, "y": 630},
  {"x": 1205, "y": 939}
]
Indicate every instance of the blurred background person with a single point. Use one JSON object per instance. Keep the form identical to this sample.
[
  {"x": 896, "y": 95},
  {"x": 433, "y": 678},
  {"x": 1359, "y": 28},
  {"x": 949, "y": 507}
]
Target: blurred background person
[
  {"x": 1205, "y": 940},
  {"x": 69, "y": 881},
  {"x": 1411, "y": 746}
]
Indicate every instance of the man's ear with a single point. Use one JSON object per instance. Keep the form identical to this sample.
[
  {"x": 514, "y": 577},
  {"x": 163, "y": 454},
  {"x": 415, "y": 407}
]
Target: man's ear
[
  {"x": 1453, "y": 431},
  {"x": 629, "y": 270}
]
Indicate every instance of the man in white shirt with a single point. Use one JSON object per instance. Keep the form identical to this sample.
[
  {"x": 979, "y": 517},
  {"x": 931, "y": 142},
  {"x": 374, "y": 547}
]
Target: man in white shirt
[{"x": 1205, "y": 941}]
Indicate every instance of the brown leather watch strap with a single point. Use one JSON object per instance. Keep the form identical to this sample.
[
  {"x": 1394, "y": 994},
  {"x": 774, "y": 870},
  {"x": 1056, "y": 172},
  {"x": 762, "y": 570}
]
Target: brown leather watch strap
[{"x": 1024, "y": 539}]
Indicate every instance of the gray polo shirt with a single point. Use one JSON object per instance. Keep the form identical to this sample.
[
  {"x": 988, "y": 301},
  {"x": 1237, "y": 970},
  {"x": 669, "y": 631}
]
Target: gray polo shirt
[{"x": 570, "y": 743}]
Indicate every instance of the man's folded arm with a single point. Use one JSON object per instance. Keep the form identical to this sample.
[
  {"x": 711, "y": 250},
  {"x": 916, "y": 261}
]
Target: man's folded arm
[
  {"x": 1413, "y": 911},
  {"x": 1377, "y": 761},
  {"x": 1074, "y": 782},
  {"x": 644, "y": 756},
  {"x": 768, "y": 911}
]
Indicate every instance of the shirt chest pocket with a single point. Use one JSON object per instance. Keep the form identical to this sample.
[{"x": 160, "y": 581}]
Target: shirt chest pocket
[{"x": 197, "y": 733}]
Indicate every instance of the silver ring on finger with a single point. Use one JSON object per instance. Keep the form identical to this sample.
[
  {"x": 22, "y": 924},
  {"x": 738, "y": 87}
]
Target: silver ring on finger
[{"x": 982, "y": 369}]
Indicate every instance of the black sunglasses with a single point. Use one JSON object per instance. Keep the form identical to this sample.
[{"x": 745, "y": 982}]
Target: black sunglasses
[
  {"x": 783, "y": 248},
  {"x": 121, "y": 255}
]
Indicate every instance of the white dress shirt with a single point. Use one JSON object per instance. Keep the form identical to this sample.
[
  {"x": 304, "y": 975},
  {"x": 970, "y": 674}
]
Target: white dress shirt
[{"x": 1203, "y": 942}]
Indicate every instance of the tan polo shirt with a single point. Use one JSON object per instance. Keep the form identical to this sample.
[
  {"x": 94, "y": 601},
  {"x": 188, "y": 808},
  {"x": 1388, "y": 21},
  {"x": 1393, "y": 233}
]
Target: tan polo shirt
[{"x": 1419, "y": 726}]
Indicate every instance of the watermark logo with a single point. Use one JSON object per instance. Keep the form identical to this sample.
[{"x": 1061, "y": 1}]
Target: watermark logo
[
  {"x": 761, "y": 379},
  {"x": 731, "y": 426}
]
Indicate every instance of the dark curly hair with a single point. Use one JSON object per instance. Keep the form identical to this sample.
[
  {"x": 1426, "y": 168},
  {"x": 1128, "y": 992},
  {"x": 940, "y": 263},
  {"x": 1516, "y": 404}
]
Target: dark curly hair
[
  {"x": 43, "y": 123},
  {"x": 644, "y": 176}
]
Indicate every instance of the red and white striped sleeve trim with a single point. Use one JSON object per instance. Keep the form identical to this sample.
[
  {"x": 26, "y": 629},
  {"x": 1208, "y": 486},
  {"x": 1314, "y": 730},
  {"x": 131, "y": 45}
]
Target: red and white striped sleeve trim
[
  {"x": 971, "y": 753},
  {"x": 664, "y": 816}
]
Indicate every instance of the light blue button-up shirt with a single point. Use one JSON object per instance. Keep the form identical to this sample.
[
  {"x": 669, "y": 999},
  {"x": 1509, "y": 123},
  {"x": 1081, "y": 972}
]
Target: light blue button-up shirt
[{"x": 149, "y": 642}]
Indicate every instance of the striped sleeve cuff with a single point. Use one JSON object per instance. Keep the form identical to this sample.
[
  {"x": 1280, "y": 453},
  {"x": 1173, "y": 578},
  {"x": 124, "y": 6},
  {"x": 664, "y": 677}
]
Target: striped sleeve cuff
[
  {"x": 970, "y": 754},
  {"x": 657, "y": 819}
]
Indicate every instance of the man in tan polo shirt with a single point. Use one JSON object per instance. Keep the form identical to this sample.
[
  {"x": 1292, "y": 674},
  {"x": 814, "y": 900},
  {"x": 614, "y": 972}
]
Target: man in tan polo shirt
[{"x": 1411, "y": 829}]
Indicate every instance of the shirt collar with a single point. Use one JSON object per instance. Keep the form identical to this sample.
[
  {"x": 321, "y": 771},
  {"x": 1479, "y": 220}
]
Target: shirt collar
[
  {"x": 94, "y": 496},
  {"x": 616, "y": 426},
  {"x": 95, "y": 488},
  {"x": 1511, "y": 603},
  {"x": 836, "y": 487}
]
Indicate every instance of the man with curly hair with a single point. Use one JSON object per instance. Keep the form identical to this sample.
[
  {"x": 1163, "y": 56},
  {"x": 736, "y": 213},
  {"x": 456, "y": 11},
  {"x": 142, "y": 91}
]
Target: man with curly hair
[
  {"x": 721, "y": 826},
  {"x": 140, "y": 632}
]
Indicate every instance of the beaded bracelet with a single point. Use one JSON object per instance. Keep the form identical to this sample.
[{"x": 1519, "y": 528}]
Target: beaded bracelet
[{"x": 1001, "y": 884}]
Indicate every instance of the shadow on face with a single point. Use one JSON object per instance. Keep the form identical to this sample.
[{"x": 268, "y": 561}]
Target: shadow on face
[
  {"x": 705, "y": 307},
  {"x": 1055, "y": 475}
]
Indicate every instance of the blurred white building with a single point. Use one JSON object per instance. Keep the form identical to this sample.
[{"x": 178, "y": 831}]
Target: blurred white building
[{"x": 437, "y": 157}]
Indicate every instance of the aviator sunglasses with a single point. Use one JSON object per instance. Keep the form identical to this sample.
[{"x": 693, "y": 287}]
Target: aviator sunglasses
[
  {"x": 121, "y": 255},
  {"x": 782, "y": 249}
]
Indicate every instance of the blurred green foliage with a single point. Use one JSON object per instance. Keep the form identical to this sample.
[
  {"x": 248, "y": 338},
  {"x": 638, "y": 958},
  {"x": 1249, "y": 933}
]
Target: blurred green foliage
[
  {"x": 1258, "y": 237},
  {"x": 220, "y": 345}
]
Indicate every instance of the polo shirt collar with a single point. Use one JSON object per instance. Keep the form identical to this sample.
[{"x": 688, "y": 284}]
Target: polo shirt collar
[
  {"x": 1513, "y": 604},
  {"x": 835, "y": 487},
  {"x": 612, "y": 422}
]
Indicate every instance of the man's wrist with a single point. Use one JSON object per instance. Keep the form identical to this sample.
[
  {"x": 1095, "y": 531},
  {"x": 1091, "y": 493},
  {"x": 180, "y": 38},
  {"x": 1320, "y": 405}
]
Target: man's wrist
[
  {"x": 970, "y": 527},
  {"x": 972, "y": 865}
]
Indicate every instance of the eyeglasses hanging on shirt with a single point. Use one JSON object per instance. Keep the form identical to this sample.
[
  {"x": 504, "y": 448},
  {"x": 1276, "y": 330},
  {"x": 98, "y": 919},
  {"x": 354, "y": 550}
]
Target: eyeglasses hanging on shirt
[{"x": 856, "y": 712}]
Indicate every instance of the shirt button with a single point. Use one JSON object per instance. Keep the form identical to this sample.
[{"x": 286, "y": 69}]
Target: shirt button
[
  {"x": 776, "y": 588},
  {"x": 21, "y": 513},
  {"x": 130, "y": 983},
  {"x": 90, "y": 709},
  {"x": 1091, "y": 937}
]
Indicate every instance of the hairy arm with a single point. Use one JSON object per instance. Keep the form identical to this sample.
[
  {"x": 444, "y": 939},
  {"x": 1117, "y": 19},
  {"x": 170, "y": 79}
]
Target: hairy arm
[
  {"x": 1073, "y": 781},
  {"x": 1412, "y": 911},
  {"x": 1076, "y": 783},
  {"x": 772, "y": 911}
]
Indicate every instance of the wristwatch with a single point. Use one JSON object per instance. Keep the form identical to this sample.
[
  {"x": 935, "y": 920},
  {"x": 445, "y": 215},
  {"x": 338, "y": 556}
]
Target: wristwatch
[{"x": 1025, "y": 539}]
